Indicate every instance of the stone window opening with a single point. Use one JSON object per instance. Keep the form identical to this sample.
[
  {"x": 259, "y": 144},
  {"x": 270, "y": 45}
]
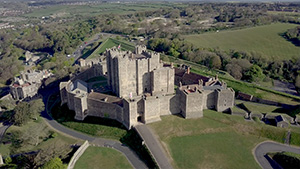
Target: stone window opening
[{"x": 139, "y": 119}]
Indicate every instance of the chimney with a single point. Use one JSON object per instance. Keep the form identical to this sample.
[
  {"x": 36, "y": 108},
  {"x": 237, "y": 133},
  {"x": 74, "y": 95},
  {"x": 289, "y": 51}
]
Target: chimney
[
  {"x": 172, "y": 65},
  {"x": 188, "y": 70}
]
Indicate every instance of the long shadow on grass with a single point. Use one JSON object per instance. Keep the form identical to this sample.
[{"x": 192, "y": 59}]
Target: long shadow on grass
[
  {"x": 294, "y": 41},
  {"x": 63, "y": 114},
  {"x": 131, "y": 138}
]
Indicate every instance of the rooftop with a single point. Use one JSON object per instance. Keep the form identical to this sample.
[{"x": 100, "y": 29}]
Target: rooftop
[{"x": 106, "y": 98}]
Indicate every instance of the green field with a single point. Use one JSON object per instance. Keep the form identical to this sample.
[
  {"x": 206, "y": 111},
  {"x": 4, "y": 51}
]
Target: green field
[
  {"x": 265, "y": 40},
  {"x": 100, "y": 157},
  {"x": 215, "y": 141},
  {"x": 109, "y": 43},
  {"x": 65, "y": 11}
]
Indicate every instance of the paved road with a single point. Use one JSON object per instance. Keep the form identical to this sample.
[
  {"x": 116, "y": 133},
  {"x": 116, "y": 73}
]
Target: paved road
[
  {"x": 131, "y": 156},
  {"x": 154, "y": 146},
  {"x": 263, "y": 148},
  {"x": 3, "y": 129}
]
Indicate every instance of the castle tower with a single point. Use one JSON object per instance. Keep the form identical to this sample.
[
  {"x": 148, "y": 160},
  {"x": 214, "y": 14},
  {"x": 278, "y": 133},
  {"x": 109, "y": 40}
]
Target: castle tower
[{"x": 137, "y": 73}]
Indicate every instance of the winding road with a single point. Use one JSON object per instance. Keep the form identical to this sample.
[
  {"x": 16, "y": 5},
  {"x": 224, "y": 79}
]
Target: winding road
[
  {"x": 135, "y": 161},
  {"x": 263, "y": 148}
]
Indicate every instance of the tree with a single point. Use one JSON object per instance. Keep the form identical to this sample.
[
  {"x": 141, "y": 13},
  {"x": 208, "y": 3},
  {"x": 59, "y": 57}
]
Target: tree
[
  {"x": 297, "y": 83},
  {"x": 35, "y": 134},
  {"x": 22, "y": 113},
  {"x": 57, "y": 149},
  {"x": 36, "y": 107},
  {"x": 54, "y": 163},
  {"x": 255, "y": 73},
  {"x": 215, "y": 62}
]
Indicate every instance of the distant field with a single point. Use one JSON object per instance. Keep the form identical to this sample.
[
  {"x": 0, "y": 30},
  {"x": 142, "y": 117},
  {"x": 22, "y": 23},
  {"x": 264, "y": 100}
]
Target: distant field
[
  {"x": 262, "y": 39},
  {"x": 92, "y": 10},
  {"x": 101, "y": 157}
]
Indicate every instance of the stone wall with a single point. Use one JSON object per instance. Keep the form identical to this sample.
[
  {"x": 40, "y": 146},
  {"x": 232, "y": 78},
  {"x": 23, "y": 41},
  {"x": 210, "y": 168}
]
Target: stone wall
[
  {"x": 63, "y": 92},
  {"x": 80, "y": 107},
  {"x": 78, "y": 154},
  {"x": 152, "y": 109},
  {"x": 100, "y": 108},
  {"x": 162, "y": 81},
  {"x": 191, "y": 104},
  {"x": 224, "y": 99},
  {"x": 88, "y": 73},
  {"x": 209, "y": 99}
]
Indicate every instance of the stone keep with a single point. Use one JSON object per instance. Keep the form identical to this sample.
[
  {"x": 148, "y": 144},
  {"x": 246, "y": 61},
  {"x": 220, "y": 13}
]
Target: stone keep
[{"x": 137, "y": 73}]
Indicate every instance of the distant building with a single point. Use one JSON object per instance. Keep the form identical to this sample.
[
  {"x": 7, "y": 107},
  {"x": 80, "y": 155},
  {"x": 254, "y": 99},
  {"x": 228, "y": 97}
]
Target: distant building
[
  {"x": 31, "y": 59},
  {"x": 27, "y": 84},
  {"x": 145, "y": 90}
]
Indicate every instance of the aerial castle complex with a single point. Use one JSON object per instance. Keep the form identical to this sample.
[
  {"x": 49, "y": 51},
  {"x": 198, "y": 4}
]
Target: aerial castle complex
[{"x": 144, "y": 89}]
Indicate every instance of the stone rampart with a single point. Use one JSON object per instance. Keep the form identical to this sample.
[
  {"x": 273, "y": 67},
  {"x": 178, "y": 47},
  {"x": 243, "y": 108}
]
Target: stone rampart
[{"x": 77, "y": 154}]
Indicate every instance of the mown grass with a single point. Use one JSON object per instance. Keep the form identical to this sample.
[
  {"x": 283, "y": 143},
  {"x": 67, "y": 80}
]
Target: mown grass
[
  {"x": 256, "y": 107},
  {"x": 109, "y": 43},
  {"x": 265, "y": 40},
  {"x": 101, "y": 157},
  {"x": 215, "y": 141},
  {"x": 94, "y": 126}
]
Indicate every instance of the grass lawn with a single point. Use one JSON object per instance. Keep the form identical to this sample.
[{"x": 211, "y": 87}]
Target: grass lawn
[
  {"x": 256, "y": 107},
  {"x": 109, "y": 43},
  {"x": 262, "y": 39},
  {"x": 215, "y": 141},
  {"x": 94, "y": 126},
  {"x": 101, "y": 157}
]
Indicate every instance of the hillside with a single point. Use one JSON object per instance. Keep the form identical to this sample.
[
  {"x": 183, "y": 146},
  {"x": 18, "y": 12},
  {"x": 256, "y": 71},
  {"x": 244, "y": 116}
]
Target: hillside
[{"x": 266, "y": 40}]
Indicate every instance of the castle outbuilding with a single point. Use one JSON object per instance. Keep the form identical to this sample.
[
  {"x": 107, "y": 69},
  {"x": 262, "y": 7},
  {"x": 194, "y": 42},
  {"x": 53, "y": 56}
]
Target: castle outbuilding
[{"x": 145, "y": 90}]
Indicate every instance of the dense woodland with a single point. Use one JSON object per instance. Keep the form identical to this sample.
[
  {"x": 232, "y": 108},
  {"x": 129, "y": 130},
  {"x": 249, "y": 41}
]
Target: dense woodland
[
  {"x": 164, "y": 34},
  {"x": 163, "y": 28}
]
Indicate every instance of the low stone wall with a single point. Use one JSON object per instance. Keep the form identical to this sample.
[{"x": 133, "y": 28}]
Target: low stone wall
[
  {"x": 251, "y": 98},
  {"x": 77, "y": 154}
]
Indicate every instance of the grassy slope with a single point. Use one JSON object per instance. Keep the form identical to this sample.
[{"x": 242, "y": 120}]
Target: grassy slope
[
  {"x": 262, "y": 39},
  {"x": 94, "y": 126},
  {"x": 4, "y": 149},
  {"x": 214, "y": 141},
  {"x": 109, "y": 43},
  {"x": 100, "y": 157},
  {"x": 253, "y": 89}
]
